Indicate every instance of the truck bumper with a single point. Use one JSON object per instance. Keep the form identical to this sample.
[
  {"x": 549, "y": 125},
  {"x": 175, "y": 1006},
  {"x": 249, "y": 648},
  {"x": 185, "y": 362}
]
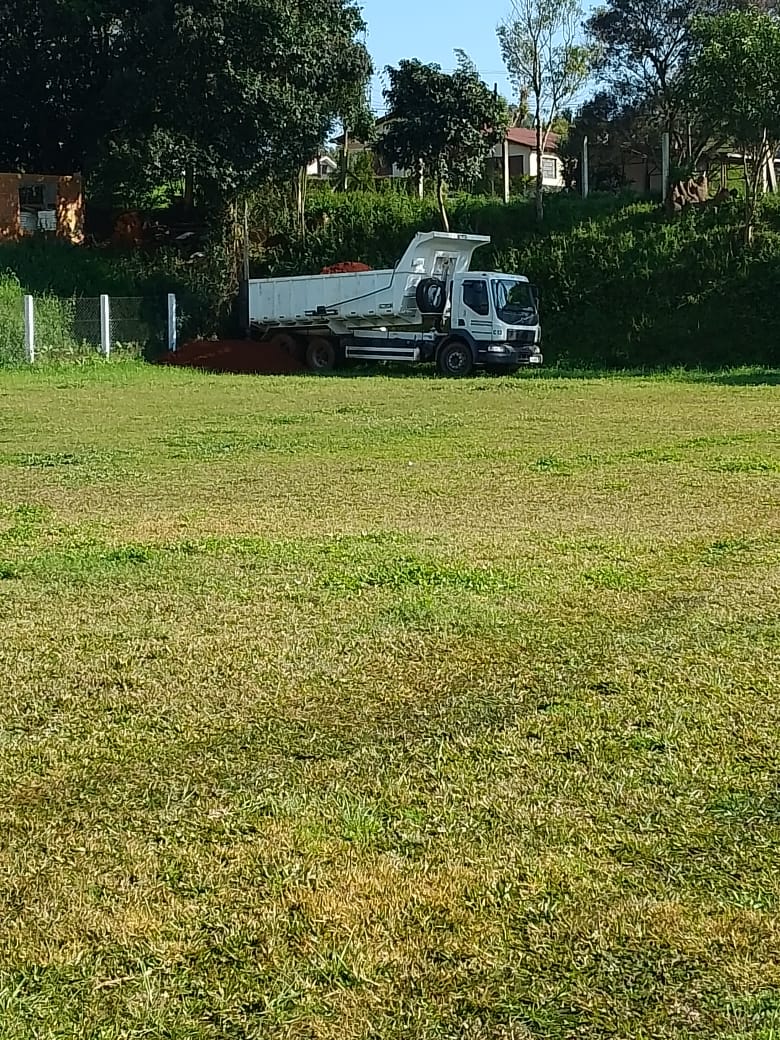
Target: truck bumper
[{"x": 510, "y": 357}]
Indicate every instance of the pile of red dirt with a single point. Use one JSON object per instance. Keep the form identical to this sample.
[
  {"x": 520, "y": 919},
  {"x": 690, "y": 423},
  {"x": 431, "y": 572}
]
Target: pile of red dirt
[
  {"x": 346, "y": 267},
  {"x": 279, "y": 356}
]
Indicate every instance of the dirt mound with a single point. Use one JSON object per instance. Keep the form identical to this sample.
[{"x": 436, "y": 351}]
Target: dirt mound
[
  {"x": 346, "y": 267},
  {"x": 279, "y": 356}
]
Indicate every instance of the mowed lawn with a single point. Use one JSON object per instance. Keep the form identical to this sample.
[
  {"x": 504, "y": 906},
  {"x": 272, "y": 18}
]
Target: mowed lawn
[{"x": 389, "y": 707}]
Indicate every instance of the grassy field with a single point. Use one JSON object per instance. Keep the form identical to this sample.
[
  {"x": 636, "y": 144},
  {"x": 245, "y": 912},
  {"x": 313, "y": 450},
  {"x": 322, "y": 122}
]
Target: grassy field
[{"x": 389, "y": 707}]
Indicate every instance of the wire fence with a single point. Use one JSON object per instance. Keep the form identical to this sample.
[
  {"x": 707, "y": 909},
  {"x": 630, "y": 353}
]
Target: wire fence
[{"x": 51, "y": 328}]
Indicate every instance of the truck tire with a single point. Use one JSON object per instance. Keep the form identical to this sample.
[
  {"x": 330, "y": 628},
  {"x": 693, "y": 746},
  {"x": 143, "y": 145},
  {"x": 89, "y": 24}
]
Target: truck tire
[
  {"x": 430, "y": 296},
  {"x": 455, "y": 359},
  {"x": 321, "y": 355}
]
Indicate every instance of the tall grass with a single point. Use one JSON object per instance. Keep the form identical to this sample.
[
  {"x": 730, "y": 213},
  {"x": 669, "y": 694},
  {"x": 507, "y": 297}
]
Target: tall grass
[{"x": 11, "y": 319}]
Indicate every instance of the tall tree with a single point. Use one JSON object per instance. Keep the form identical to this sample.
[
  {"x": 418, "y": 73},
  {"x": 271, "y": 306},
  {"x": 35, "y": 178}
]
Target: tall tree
[
  {"x": 643, "y": 48},
  {"x": 237, "y": 90},
  {"x": 736, "y": 76},
  {"x": 546, "y": 61},
  {"x": 445, "y": 125}
]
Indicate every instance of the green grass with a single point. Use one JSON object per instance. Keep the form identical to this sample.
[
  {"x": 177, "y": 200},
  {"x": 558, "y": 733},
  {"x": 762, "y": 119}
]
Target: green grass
[{"x": 387, "y": 707}]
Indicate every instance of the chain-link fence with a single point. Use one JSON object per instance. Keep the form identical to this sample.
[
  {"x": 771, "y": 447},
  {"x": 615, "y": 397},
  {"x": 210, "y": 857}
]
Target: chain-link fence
[
  {"x": 66, "y": 328},
  {"x": 138, "y": 324},
  {"x": 51, "y": 328}
]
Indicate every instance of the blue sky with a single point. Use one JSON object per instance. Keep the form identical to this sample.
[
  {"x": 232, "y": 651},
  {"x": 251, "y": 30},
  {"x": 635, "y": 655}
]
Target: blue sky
[{"x": 432, "y": 30}]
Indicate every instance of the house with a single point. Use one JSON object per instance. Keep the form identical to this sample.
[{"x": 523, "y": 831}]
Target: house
[
  {"x": 33, "y": 203},
  {"x": 644, "y": 176},
  {"x": 322, "y": 167},
  {"x": 381, "y": 168},
  {"x": 521, "y": 145},
  {"x": 520, "y": 142}
]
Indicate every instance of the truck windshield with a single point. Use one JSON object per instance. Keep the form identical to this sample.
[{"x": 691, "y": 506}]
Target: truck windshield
[{"x": 514, "y": 302}]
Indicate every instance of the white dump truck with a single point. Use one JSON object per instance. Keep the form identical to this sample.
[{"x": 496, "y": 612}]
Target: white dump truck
[{"x": 429, "y": 308}]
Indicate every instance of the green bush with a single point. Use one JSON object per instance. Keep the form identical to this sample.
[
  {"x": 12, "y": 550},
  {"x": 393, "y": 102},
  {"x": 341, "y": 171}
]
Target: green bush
[
  {"x": 621, "y": 286},
  {"x": 11, "y": 319}
]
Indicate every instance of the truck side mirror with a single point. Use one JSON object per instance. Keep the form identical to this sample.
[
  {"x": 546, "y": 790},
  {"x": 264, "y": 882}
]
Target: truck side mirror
[{"x": 537, "y": 296}]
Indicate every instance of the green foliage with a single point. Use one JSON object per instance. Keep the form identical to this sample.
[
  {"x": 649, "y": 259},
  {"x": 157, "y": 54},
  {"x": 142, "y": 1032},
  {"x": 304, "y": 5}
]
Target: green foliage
[
  {"x": 547, "y": 63},
  {"x": 736, "y": 77},
  {"x": 445, "y": 125},
  {"x": 620, "y": 286},
  {"x": 11, "y": 319},
  {"x": 237, "y": 90}
]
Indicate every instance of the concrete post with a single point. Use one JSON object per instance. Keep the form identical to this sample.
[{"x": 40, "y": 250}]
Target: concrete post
[
  {"x": 585, "y": 169},
  {"x": 29, "y": 328},
  {"x": 105, "y": 326},
  {"x": 172, "y": 332}
]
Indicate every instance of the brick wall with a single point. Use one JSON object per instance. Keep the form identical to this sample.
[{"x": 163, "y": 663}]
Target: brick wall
[
  {"x": 9, "y": 206},
  {"x": 70, "y": 209}
]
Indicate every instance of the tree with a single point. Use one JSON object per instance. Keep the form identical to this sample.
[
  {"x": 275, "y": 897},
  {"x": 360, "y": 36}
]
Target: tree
[
  {"x": 238, "y": 91},
  {"x": 443, "y": 125},
  {"x": 540, "y": 47},
  {"x": 643, "y": 48},
  {"x": 735, "y": 78},
  {"x": 617, "y": 132}
]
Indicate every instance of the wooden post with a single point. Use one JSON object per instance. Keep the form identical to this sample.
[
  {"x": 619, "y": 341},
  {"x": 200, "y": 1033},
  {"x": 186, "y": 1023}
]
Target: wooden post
[
  {"x": 585, "y": 169},
  {"x": 665, "y": 163},
  {"x": 246, "y": 240}
]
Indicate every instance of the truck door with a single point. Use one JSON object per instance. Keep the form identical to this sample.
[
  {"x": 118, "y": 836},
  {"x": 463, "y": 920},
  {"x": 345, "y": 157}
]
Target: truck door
[{"x": 475, "y": 313}]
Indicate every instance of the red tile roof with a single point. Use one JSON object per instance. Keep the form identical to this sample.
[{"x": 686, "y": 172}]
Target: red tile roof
[{"x": 519, "y": 135}]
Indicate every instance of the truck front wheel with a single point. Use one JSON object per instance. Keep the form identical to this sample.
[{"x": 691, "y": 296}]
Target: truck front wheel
[
  {"x": 455, "y": 359},
  {"x": 320, "y": 355}
]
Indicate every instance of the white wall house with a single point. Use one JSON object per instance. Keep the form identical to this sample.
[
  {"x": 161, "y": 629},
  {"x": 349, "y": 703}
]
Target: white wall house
[
  {"x": 522, "y": 157},
  {"x": 322, "y": 167}
]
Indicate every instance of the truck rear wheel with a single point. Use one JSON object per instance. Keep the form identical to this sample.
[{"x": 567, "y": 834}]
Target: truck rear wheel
[
  {"x": 320, "y": 355},
  {"x": 455, "y": 359}
]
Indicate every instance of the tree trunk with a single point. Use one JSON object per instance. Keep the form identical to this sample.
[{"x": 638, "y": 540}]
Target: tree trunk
[
  {"x": 189, "y": 186},
  {"x": 345, "y": 161},
  {"x": 751, "y": 194},
  {"x": 300, "y": 200},
  {"x": 539, "y": 168},
  {"x": 445, "y": 220}
]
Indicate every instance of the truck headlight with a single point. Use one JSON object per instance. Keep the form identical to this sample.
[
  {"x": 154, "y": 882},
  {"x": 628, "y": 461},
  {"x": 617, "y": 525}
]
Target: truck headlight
[{"x": 498, "y": 348}]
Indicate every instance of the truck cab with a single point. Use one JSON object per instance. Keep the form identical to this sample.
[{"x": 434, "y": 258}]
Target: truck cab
[{"x": 497, "y": 317}]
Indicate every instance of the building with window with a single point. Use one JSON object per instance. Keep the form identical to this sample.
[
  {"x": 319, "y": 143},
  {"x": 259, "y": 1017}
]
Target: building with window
[
  {"x": 33, "y": 204},
  {"x": 521, "y": 144},
  {"x": 522, "y": 156}
]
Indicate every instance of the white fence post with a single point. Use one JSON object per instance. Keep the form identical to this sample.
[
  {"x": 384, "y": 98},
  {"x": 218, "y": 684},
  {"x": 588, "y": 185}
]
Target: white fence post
[
  {"x": 585, "y": 169},
  {"x": 29, "y": 328},
  {"x": 105, "y": 325},
  {"x": 172, "y": 332}
]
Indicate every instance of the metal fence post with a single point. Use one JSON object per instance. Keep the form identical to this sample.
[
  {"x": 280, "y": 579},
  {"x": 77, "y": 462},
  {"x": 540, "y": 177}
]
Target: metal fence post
[
  {"x": 172, "y": 332},
  {"x": 29, "y": 328},
  {"x": 105, "y": 325}
]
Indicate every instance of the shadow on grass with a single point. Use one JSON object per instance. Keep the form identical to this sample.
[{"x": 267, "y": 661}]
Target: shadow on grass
[{"x": 743, "y": 376}]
